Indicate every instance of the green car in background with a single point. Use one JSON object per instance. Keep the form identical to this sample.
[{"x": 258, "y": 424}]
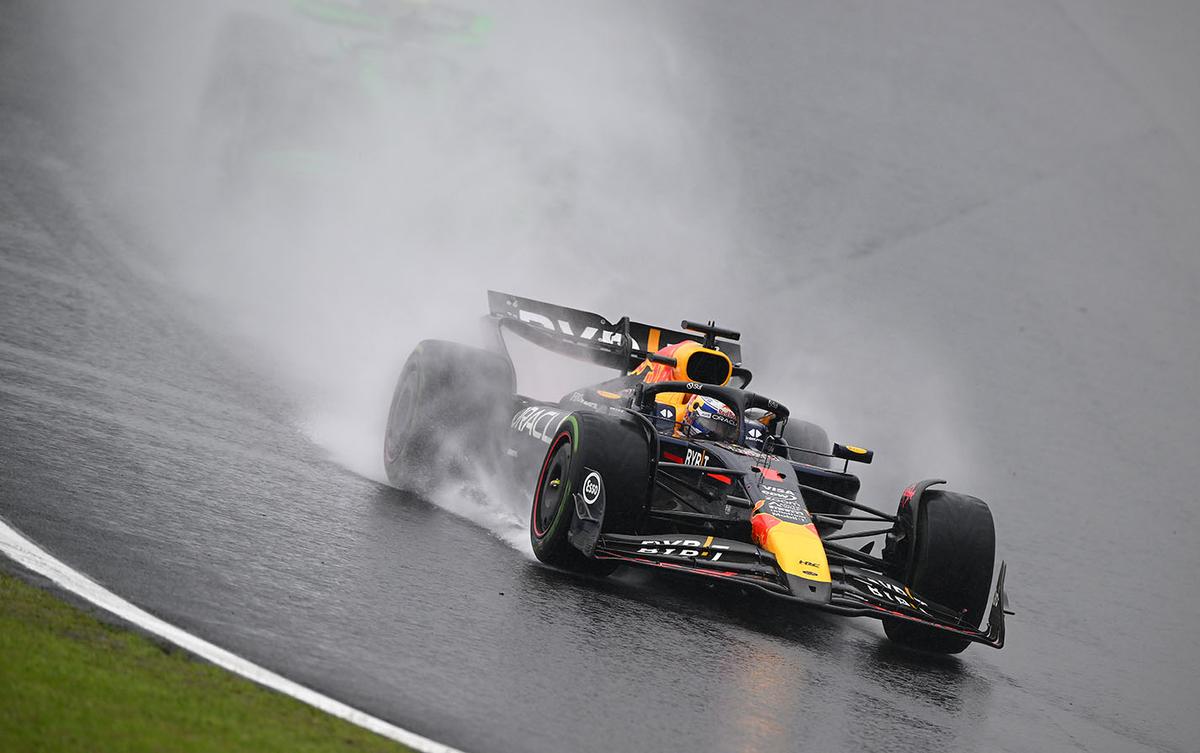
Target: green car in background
[{"x": 290, "y": 86}]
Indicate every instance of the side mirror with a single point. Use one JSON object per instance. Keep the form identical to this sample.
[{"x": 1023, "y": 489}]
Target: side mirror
[{"x": 850, "y": 452}]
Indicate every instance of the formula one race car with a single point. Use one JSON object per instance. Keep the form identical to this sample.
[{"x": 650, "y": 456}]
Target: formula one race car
[{"x": 674, "y": 464}]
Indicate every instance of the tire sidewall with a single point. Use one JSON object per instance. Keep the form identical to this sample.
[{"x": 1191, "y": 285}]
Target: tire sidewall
[
  {"x": 555, "y": 535},
  {"x": 621, "y": 455},
  {"x": 954, "y": 552},
  {"x": 950, "y": 550}
]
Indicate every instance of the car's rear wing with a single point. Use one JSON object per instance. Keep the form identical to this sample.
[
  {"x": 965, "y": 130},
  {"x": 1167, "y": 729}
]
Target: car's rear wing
[{"x": 589, "y": 337}]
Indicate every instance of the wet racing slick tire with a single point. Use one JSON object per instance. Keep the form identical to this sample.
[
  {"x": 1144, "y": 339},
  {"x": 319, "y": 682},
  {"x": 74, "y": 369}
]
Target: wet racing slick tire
[
  {"x": 949, "y": 562},
  {"x": 449, "y": 412},
  {"x": 809, "y": 436},
  {"x": 618, "y": 450}
]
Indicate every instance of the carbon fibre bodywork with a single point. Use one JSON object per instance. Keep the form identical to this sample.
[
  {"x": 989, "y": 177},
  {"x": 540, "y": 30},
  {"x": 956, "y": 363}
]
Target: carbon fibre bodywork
[
  {"x": 747, "y": 509},
  {"x": 703, "y": 519}
]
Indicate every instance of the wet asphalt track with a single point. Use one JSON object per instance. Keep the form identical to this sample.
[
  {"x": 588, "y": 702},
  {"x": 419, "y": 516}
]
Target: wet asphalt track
[{"x": 1055, "y": 260}]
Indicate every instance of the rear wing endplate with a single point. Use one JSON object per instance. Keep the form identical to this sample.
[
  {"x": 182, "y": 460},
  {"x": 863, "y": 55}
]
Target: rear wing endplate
[{"x": 586, "y": 336}]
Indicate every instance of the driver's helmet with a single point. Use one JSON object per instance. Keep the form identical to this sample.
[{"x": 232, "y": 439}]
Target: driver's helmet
[{"x": 708, "y": 418}]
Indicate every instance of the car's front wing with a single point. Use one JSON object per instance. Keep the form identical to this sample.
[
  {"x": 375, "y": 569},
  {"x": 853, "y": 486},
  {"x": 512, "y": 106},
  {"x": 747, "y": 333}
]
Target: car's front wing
[{"x": 855, "y": 591}]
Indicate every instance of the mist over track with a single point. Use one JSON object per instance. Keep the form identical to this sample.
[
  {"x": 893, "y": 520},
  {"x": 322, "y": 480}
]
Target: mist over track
[{"x": 962, "y": 235}]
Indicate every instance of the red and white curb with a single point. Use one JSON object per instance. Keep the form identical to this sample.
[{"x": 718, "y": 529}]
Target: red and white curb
[{"x": 33, "y": 557}]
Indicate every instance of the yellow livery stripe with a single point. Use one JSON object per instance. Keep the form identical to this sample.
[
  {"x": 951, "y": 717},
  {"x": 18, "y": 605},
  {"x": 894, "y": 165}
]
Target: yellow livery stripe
[
  {"x": 652, "y": 340},
  {"x": 799, "y": 550}
]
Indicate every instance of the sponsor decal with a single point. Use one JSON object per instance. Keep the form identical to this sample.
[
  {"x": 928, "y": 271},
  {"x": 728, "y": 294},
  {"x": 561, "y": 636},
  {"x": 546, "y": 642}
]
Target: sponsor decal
[
  {"x": 755, "y": 433},
  {"x": 675, "y": 552},
  {"x": 539, "y": 423},
  {"x": 725, "y": 416},
  {"x": 693, "y": 386},
  {"x": 785, "y": 504},
  {"x": 890, "y": 592},
  {"x": 779, "y": 493},
  {"x": 592, "y": 485},
  {"x": 577, "y": 397},
  {"x": 696, "y": 457},
  {"x": 681, "y": 548},
  {"x": 564, "y": 327},
  {"x": 791, "y": 511}
]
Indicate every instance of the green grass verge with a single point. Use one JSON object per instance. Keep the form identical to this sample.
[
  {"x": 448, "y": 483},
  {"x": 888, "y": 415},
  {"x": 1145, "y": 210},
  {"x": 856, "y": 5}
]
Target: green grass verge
[{"x": 69, "y": 682}]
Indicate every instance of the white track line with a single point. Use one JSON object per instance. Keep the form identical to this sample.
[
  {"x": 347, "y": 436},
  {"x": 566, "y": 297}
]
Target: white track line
[{"x": 38, "y": 560}]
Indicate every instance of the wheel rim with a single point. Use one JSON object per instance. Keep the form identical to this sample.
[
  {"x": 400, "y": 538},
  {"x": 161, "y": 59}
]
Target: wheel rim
[{"x": 553, "y": 486}]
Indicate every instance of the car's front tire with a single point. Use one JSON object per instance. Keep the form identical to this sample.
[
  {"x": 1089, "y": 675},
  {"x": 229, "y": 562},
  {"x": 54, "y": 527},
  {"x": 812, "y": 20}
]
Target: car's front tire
[
  {"x": 585, "y": 443},
  {"x": 810, "y": 439},
  {"x": 945, "y": 554}
]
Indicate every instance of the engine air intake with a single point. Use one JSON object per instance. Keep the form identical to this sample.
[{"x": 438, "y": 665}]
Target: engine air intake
[{"x": 708, "y": 367}]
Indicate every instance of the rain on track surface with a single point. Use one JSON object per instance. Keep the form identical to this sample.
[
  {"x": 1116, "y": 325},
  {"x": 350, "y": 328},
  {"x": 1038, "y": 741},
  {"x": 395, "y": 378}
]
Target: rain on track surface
[{"x": 1059, "y": 285}]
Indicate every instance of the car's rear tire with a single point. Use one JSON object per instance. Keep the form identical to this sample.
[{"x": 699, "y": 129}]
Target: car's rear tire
[
  {"x": 619, "y": 451},
  {"x": 808, "y": 436},
  {"x": 948, "y": 560},
  {"x": 449, "y": 412},
  {"x": 813, "y": 439}
]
